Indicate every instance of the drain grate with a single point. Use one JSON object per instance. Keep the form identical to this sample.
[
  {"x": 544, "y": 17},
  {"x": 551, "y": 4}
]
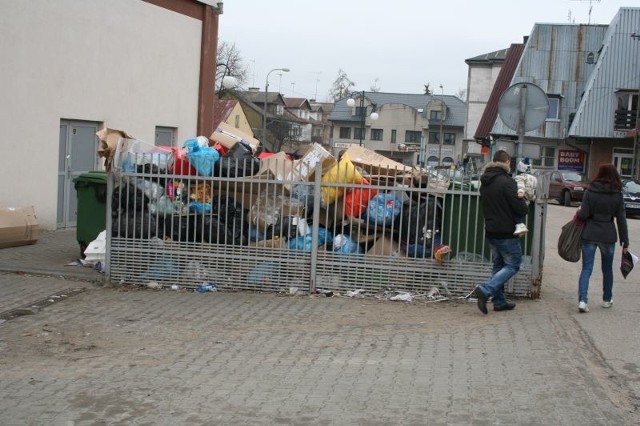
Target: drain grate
[{"x": 34, "y": 308}]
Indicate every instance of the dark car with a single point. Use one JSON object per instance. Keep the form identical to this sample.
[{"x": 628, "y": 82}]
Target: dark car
[
  {"x": 564, "y": 185},
  {"x": 631, "y": 193}
]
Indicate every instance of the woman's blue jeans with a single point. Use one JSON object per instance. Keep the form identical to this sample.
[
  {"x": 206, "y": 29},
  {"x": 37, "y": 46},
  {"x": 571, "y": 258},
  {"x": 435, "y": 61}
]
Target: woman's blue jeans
[
  {"x": 607, "y": 251},
  {"x": 506, "y": 255}
]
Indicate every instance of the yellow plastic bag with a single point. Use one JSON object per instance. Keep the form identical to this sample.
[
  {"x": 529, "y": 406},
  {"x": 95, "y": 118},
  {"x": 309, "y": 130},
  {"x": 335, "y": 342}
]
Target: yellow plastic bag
[{"x": 343, "y": 172}]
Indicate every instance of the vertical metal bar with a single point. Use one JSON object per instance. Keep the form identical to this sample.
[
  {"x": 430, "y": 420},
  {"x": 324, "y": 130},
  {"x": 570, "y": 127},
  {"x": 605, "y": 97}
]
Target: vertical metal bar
[
  {"x": 317, "y": 196},
  {"x": 109, "y": 206}
]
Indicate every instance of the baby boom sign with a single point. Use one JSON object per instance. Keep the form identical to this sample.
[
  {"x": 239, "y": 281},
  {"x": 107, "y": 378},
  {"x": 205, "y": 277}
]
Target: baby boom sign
[{"x": 570, "y": 160}]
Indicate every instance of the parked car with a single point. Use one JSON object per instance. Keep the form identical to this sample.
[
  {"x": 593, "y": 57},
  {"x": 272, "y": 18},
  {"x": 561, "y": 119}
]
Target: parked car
[
  {"x": 631, "y": 194},
  {"x": 564, "y": 185}
]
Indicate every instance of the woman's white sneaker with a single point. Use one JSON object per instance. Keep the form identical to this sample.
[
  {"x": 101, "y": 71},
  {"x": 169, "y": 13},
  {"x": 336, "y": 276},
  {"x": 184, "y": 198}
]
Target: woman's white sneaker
[
  {"x": 608, "y": 304},
  {"x": 582, "y": 307}
]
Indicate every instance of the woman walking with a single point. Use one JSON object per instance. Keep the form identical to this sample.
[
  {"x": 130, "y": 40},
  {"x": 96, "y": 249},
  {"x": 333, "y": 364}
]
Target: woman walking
[{"x": 602, "y": 202}]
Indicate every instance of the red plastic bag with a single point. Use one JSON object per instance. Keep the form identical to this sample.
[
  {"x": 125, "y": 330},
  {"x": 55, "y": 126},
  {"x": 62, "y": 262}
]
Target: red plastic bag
[
  {"x": 357, "y": 200},
  {"x": 179, "y": 163}
]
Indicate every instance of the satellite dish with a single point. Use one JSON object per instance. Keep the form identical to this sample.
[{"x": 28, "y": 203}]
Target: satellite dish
[{"x": 523, "y": 99}]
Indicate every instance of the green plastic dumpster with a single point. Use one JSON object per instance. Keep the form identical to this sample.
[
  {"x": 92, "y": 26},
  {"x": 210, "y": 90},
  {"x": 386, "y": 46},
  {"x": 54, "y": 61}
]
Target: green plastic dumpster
[
  {"x": 91, "y": 188},
  {"x": 463, "y": 228}
]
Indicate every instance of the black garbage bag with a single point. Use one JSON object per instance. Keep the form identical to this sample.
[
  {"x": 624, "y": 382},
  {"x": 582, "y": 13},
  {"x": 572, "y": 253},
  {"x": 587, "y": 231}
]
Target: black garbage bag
[
  {"x": 287, "y": 228},
  {"x": 237, "y": 162},
  {"x": 418, "y": 225},
  {"x": 205, "y": 228},
  {"x": 128, "y": 198},
  {"x": 134, "y": 224}
]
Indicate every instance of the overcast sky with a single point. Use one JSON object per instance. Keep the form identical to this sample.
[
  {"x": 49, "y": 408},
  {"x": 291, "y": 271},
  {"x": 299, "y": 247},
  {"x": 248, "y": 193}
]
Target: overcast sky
[{"x": 397, "y": 46}]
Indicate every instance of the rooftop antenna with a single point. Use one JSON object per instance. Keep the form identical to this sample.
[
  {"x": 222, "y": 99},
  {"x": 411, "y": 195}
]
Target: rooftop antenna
[
  {"x": 315, "y": 96},
  {"x": 590, "y": 6}
]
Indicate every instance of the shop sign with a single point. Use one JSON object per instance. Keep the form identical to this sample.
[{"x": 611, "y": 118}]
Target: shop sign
[{"x": 569, "y": 159}]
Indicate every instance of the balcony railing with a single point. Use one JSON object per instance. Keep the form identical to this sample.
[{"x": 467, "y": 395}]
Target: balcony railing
[{"x": 625, "y": 119}]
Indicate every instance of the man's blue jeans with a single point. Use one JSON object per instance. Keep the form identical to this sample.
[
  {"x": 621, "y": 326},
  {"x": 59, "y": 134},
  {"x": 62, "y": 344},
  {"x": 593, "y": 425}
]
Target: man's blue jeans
[
  {"x": 506, "y": 255},
  {"x": 607, "y": 251}
]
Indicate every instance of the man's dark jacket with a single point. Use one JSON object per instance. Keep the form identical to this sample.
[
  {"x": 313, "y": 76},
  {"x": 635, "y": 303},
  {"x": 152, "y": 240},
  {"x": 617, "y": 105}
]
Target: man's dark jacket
[{"x": 500, "y": 202}]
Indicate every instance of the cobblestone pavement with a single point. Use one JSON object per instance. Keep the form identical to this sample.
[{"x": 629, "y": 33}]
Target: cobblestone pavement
[{"x": 93, "y": 354}]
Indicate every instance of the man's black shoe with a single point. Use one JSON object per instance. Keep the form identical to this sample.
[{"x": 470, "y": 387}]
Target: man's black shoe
[
  {"x": 482, "y": 300},
  {"x": 506, "y": 307}
]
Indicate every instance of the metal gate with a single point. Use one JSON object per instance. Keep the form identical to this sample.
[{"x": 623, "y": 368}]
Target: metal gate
[{"x": 267, "y": 233}]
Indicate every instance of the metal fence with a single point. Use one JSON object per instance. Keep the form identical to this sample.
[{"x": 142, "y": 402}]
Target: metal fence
[{"x": 388, "y": 232}]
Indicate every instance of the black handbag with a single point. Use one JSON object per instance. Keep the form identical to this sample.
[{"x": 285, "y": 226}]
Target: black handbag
[{"x": 569, "y": 242}]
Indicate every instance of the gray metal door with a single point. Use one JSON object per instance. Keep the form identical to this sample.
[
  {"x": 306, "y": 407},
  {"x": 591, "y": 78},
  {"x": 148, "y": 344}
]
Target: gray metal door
[
  {"x": 165, "y": 136},
  {"x": 77, "y": 154}
]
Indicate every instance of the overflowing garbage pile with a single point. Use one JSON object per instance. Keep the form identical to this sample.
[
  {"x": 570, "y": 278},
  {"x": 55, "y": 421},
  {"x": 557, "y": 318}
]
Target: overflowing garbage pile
[{"x": 223, "y": 190}]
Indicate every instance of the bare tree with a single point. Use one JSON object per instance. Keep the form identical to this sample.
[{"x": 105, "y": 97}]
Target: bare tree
[
  {"x": 374, "y": 87},
  {"x": 229, "y": 55},
  {"x": 341, "y": 86},
  {"x": 462, "y": 94}
]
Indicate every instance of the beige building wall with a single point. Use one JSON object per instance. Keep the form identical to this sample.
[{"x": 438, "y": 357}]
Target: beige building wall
[{"x": 126, "y": 64}]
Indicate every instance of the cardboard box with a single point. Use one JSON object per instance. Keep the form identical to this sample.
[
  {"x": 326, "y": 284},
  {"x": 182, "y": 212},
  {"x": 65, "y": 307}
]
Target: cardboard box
[
  {"x": 304, "y": 168},
  {"x": 228, "y": 136},
  {"x": 374, "y": 163},
  {"x": 277, "y": 166},
  {"x": 385, "y": 246},
  {"x": 18, "y": 226},
  {"x": 108, "y": 143}
]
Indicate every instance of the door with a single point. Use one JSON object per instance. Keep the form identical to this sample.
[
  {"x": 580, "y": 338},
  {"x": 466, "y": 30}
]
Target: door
[
  {"x": 77, "y": 154},
  {"x": 623, "y": 160}
]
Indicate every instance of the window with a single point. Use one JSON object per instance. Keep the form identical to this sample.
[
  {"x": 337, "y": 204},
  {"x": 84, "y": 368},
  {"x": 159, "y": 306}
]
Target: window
[
  {"x": 279, "y": 109},
  {"x": 547, "y": 158},
  {"x": 345, "y": 132},
  {"x": 360, "y": 111},
  {"x": 435, "y": 114},
  {"x": 358, "y": 131},
  {"x": 376, "y": 134},
  {"x": 554, "y": 107},
  {"x": 393, "y": 136},
  {"x": 236, "y": 121},
  {"x": 434, "y": 138},
  {"x": 412, "y": 136},
  {"x": 449, "y": 139}
]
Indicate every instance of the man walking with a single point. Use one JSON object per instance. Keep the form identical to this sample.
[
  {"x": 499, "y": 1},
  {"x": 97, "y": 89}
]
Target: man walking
[{"x": 501, "y": 207}]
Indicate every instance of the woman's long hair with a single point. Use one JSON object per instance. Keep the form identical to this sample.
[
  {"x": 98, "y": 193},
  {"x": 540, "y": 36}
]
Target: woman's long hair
[{"x": 607, "y": 173}]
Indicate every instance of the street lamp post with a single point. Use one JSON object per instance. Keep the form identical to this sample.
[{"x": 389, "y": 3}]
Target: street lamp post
[
  {"x": 362, "y": 112},
  {"x": 266, "y": 99},
  {"x": 227, "y": 81}
]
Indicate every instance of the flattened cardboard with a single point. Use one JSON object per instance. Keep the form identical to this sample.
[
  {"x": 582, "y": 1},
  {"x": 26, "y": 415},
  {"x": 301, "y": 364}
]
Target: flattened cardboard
[
  {"x": 228, "y": 136},
  {"x": 374, "y": 163},
  {"x": 18, "y": 226}
]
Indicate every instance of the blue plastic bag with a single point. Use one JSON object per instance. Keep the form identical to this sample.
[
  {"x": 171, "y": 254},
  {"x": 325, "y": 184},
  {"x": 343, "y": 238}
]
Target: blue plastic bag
[
  {"x": 383, "y": 209},
  {"x": 201, "y": 158}
]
